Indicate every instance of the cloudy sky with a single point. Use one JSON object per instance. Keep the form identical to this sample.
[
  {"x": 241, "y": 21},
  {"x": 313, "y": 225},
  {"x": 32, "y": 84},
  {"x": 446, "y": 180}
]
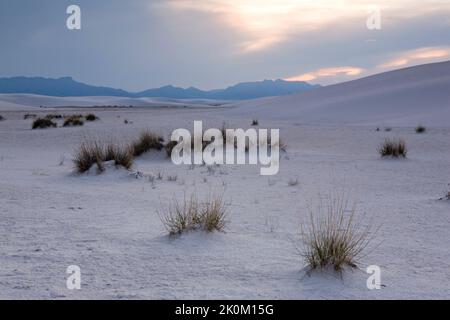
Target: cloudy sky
[{"x": 139, "y": 44}]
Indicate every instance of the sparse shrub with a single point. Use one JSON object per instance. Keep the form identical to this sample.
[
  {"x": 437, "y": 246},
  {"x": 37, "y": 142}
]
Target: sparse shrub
[
  {"x": 334, "y": 238},
  {"x": 89, "y": 154},
  {"x": 394, "y": 148},
  {"x": 43, "y": 123},
  {"x": 190, "y": 215},
  {"x": 73, "y": 121},
  {"x": 146, "y": 142},
  {"x": 255, "y": 122},
  {"x": 213, "y": 214},
  {"x": 125, "y": 121},
  {"x": 388, "y": 129},
  {"x": 120, "y": 154},
  {"x": 378, "y": 129},
  {"x": 2, "y": 118},
  {"x": 95, "y": 153},
  {"x": 91, "y": 117},
  {"x": 420, "y": 129}
]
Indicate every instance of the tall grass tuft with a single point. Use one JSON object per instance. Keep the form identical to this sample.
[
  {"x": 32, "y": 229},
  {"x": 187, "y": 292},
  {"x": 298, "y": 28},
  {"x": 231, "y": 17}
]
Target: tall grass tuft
[
  {"x": 96, "y": 153},
  {"x": 394, "y": 148},
  {"x": 334, "y": 238},
  {"x": 120, "y": 154},
  {"x": 146, "y": 142},
  {"x": 88, "y": 155},
  {"x": 190, "y": 215}
]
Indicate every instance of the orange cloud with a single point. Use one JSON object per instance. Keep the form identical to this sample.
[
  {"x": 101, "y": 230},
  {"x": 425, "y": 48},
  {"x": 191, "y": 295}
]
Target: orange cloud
[
  {"x": 421, "y": 55},
  {"x": 327, "y": 73}
]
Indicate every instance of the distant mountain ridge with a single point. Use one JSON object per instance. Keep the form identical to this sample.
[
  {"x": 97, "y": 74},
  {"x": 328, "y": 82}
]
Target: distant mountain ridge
[{"x": 68, "y": 87}]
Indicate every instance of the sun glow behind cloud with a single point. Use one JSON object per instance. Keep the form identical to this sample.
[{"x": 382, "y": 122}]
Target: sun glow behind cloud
[{"x": 265, "y": 23}]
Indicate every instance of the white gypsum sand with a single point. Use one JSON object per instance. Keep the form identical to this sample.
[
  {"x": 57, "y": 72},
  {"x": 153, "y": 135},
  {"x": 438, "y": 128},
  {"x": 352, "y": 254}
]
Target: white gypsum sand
[{"x": 108, "y": 224}]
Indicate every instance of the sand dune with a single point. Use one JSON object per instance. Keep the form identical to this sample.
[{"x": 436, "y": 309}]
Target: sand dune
[{"x": 409, "y": 96}]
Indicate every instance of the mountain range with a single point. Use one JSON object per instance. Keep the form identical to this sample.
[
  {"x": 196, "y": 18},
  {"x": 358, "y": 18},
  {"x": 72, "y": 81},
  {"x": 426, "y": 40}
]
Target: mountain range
[{"x": 68, "y": 87}]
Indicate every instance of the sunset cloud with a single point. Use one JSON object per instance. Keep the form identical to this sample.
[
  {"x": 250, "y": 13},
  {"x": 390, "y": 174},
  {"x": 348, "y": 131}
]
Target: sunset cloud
[
  {"x": 421, "y": 55},
  {"x": 327, "y": 73}
]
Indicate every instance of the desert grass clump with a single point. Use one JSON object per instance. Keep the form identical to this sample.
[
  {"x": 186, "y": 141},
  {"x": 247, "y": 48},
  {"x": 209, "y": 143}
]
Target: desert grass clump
[
  {"x": 91, "y": 117},
  {"x": 2, "y": 118},
  {"x": 43, "y": 123},
  {"x": 191, "y": 215},
  {"x": 393, "y": 148},
  {"x": 96, "y": 153},
  {"x": 146, "y": 142},
  {"x": 334, "y": 238},
  {"x": 88, "y": 155},
  {"x": 421, "y": 129},
  {"x": 120, "y": 154},
  {"x": 73, "y": 121},
  {"x": 255, "y": 122},
  {"x": 213, "y": 214}
]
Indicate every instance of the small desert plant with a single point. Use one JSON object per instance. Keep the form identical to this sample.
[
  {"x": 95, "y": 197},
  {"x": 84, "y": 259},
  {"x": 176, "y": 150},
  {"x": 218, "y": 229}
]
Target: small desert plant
[
  {"x": 1, "y": 118},
  {"x": 91, "y": 117},
  {"x": 89, "y": 154},
  {"x": 420, "y": 129},
  {"x": 388, "y": 129},
  {"x": 255, "y": 122},
  {"x": 190, "y": 215},
  {"x": 120, "y": 154},
  {"x": 146, "y": 142},
  {"x": 394, "y": 148},
  {"x": 95, "y": 153},
  {"x": 73, "y": 121},
  {"x": 125, "y": 121},
  {"x": 213, "y": 214},
  {"x": 334, "y": 238},
  {"x": 43, "y": 123}
]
